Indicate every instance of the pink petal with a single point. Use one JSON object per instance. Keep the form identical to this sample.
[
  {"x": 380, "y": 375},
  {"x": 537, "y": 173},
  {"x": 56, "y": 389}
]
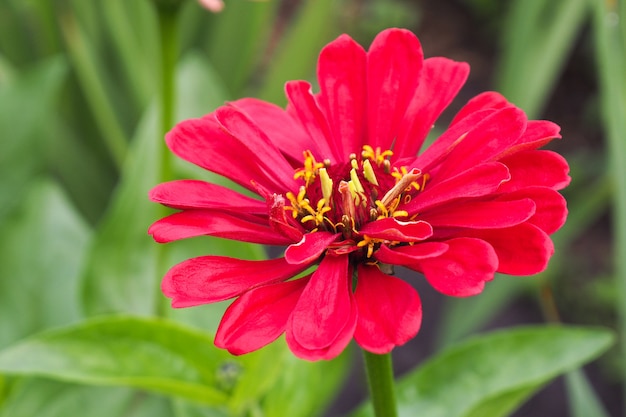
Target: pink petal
[
  {"x": 324, "y": 309},
  {"x": 408, "y": 255},
  {"x": 269, "y": 158},
  {"x": 396, "y": 230},
  {"x": 258, "y": 317},
  {"x": 551, "y": 207},
  {"x": 440, "y": 82},
  {"x": 483, "y": 101},
  {"x": 311, "y": 247},
  {"x": 482, "y": 214},
  {"x": 189, "y": 194},
  {"x": 478, "y": 181},
  {"x": 390, "y": 311},
  {"x": 341, "y": 72},
  {"x": 305, "y": 108},
  {"x": 282, "y": 129},
  {"x": 191, "y": 223},
  {"x": 463, "y": 269},
  {"x": 488, "y": 139},
  {"x": 536, "y": 168},
  {"x": 441, "y": 148},
  {"x": 280, "y": 221},
  {"x": 394, "y": 63},
  {"x": 537, "y": 134},
  {"x": 524, "y": 249},
  {"x": 209, "y": 279},
  {"x": 204, "y": 143}
]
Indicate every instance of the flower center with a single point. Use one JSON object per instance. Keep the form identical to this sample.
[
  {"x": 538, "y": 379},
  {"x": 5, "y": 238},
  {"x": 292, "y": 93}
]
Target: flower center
[{"x": 341, "y": 198}]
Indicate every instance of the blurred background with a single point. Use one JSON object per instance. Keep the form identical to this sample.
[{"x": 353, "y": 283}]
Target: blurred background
[{"x": 81, "y": 145}]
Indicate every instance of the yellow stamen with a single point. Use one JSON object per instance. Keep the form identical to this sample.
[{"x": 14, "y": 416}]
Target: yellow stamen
[
  {"x": 368, "y": 172},
  {"x": 376, "y": 155},
  {"x": 354, "y": 178},
  {"x": 310, "y": 169},
  {"x": 327, "y": 185}
]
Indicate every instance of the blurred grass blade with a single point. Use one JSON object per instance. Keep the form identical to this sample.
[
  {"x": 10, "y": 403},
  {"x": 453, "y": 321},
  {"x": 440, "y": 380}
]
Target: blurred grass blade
[
  {"x": 539, "y": 36},
  {"x": 297, "y": 53},
  {"x": 611, "y": 64},
  {"x": 91, "y": 78},
  {"x": 583, "y": 401}
]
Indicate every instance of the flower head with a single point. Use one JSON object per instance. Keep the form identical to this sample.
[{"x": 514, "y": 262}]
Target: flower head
[{"x": 343, "y": 183}]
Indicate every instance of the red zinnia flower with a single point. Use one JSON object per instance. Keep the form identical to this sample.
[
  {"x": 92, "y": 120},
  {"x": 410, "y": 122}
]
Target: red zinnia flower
[{"x": 343, "y": 187}]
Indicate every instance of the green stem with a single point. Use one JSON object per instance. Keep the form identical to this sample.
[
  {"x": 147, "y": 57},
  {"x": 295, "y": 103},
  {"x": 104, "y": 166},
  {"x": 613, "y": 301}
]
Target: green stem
[
  {"x": 168, "y": 30},
  {"x": 381, "y": 384}
]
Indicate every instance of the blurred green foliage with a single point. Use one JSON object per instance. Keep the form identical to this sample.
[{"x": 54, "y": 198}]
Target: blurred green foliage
[{"x": 80, "y": 82}]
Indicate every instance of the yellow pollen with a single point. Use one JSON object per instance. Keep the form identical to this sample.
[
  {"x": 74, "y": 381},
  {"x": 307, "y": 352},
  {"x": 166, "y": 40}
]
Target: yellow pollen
[
  {"x": 376, "y": 155},
  {"x": 327, "y": 185},
  {"x": 310, "y": 169},
  {"x": 368, "y": 172},
  {"x": 316, "y": 215},
  {"x": 369, "y": 242}
]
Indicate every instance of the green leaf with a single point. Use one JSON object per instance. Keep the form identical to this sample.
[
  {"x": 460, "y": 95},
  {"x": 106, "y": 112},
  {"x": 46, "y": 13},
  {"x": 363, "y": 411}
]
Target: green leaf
[
  {"x": 44, "y": 398},
  {"x": 40, "y": 257},
  {"x": 151, "y": 354},
  {"x": 491, "y": 374}
]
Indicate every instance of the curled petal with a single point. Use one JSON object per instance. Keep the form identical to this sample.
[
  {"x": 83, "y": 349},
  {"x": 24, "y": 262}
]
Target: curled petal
[
  {"x": 323, "y": 321},
  {"x": 258, "y": 317},
  {"x": 192, "y": 223},
  {"x": 397, "y": 230},
  {"x": 389, "y": 311},
  {"x": 537, "y": 134},
  {"x": 482, "y": 214},
  {"x": 208, "y": 279},
  {"x": 408, "y": 255},
  {"x": 463, "y": 269},
  {"x": 479, "y": 181},
  {"x": 190, "y": 194},
  {"x": 279, "y": 221},
  {"x": 394, "y": 64},
  {"x": 524, "y": 249},
  {"x": 311, "y": 247},
  {"x": 536, "y": 168}
]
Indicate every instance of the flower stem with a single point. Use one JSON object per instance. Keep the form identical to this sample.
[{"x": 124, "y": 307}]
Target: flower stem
[
  {"x": 381, "y": 384},
  {"x": 168, "y": 31}
]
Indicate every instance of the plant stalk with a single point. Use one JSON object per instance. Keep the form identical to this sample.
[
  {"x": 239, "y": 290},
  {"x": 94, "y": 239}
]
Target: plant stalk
[{"x": 381, "y": 384}]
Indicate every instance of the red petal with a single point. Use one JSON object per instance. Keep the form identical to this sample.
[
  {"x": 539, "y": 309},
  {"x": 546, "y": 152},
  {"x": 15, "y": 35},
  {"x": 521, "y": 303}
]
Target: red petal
[
  {"x": 209, "y": 279},
  {"x": 191, "y": 223},
  {"x": 280, "y": 222},
  {"x": 463, "y": 269},
  {"x": 537, "y": 134},
  {"x": 488, "y": 139},
  {"x": 390, "y": 311},
  {"x": 311, "y": 247},
  {"x": 440, "y": 82},
  {"x": 408, "y": 255},
  {"x": 204, "y": 143},
  {"x": 189, "y": 194},
  {"x": 269, "y": 158},
  {"x": 394, "y": 63},
  {"x": 483, "y": 101},
  {"x": 478, "y": 181},
  {"x": 396, "y": 230},
  {"x": 258, "y": 317},
  {"x": 551, "y": 211},
  {"x": 324, "y": 309},
  {"x": 481, "y": 215},
  {"x": 536, "y": 168},
  {"x": 524, "y": 249},
  {"x": 341, "y": 74},
  {"x": 304, "y": 106},
  {"x": 281, "y": 128}
]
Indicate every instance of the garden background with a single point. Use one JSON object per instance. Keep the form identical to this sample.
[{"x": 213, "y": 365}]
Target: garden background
[{"x": 81, "y": 131}]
